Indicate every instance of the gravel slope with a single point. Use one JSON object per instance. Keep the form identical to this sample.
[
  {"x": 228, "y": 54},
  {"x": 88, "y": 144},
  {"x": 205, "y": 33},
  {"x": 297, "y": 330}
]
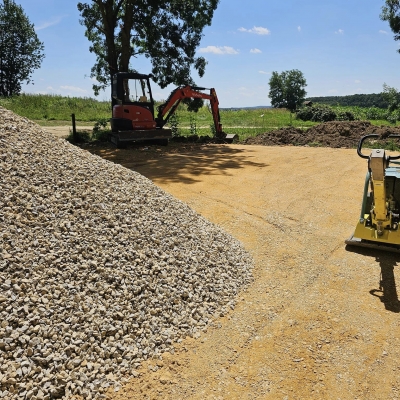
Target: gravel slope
[{"x": 99, "y": 268}]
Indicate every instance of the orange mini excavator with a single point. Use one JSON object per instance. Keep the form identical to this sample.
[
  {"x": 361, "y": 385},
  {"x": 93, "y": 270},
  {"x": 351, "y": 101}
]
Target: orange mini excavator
[{"x": 133, "y": 115}]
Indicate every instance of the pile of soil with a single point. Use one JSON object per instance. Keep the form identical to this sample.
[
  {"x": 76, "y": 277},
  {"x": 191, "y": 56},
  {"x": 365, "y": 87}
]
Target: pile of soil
[{"x": 329, "y": 134}]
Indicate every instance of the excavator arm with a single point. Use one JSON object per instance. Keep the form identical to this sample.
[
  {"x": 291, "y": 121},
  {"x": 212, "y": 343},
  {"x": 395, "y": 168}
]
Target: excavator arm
[{"x": 166, "y": 109}]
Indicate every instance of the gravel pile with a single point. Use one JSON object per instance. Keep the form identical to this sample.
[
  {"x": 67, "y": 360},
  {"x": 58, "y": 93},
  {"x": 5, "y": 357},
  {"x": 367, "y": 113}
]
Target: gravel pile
[{"x": 99, "y": 268}]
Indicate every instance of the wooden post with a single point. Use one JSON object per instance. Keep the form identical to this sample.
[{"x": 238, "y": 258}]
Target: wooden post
[{"x": 74, "y": 135}]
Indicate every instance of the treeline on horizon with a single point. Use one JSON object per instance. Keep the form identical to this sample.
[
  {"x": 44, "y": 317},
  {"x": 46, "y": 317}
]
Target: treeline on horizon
[{"x": 359, "y": 100}]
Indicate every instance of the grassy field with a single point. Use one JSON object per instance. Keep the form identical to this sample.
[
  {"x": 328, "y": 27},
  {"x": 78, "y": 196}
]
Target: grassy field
[
  {"x": 53, "y": 110},
  {"x": 48, "y": 108}
]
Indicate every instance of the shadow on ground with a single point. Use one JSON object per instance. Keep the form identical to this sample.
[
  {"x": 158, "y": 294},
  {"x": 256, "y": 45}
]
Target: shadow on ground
[
  {"x": 386, "y": 292},
  {"x": 177, "y": 162}
]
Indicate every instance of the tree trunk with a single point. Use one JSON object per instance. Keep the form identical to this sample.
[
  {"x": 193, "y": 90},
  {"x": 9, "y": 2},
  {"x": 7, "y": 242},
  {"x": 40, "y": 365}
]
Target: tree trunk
[
  {"x": 126, "y": 36},
  {"x": 109, "y": 16}
]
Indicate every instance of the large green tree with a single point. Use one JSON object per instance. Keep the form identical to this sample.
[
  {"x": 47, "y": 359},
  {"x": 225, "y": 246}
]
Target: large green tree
[
  {"x": 391, "y": 13},
  {"x": 21, "y": 52},
  {"x": 392, "y": 96},
  {"x": 166, "y": 32},
  {"x": 286, "y": 90}
]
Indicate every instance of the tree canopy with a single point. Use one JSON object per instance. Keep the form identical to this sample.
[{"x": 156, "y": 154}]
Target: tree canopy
[
  {"x": 391, "y": 13},
  {"x": 392, "y": 96},
  {"x": 166, "y": 32},
  {"x": 21, "y": 52},
  {"x": 358, "y": 100},
  {"x": 287, "y": 89}
]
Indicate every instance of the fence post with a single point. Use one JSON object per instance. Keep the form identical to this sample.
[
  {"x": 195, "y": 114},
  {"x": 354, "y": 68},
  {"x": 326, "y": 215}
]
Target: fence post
[{"x": 74, "y": 135}]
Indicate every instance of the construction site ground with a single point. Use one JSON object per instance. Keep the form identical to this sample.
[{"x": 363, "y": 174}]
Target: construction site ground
[{"x": 319, "y": 321}]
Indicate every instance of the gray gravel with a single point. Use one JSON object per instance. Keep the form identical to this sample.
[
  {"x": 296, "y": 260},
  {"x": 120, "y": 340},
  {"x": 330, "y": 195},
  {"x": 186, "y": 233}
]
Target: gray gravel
[{"x": 99, "y": 268}]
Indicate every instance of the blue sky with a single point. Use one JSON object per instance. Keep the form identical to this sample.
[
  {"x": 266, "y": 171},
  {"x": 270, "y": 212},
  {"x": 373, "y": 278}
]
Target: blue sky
[{"x": 341, "y": 46}]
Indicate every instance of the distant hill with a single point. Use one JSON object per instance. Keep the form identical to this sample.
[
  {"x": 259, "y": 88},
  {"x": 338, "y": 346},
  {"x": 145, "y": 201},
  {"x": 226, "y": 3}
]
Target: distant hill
[{"x": 360, "y": 100}]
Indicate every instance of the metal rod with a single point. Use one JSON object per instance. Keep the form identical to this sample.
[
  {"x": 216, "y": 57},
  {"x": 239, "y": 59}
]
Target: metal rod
[{"x": 74, "y": 135}]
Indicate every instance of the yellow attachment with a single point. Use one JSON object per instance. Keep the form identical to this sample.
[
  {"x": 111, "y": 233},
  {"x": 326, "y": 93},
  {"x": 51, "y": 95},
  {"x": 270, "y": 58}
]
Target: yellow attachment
[
  {"x": 380, "y": 216},
  {"x": 370, "y": 233}
]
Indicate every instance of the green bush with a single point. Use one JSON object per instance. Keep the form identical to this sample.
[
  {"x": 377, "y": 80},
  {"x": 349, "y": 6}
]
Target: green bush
[
  {"x": 393, "y": 117},
  {"x": 345, "y": 116},
  {"x": 193, "y": 125},
  {"x": 80, "y": 137},
  {"x": 305, "y": 113},
  {"x": 173, "y": 123},
  {"x": 100, "y": 131},
  {"x": 316, "y": 113},
  {"x": 375, "y": 113},
  {"x": 322, "y": 113}
]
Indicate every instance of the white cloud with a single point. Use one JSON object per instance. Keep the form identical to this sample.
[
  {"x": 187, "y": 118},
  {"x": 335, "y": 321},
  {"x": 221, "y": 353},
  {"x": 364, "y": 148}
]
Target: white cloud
[
  {"x": 339, "y": 32},
  {"x": 357, "y": 81},
  {"x": 73, "y": 89},
  {"x": 258, "y": 30},
  {"x": 219, "y": 50},
  {"x": 383, "y": 32},
  {"x": 264, "y": 72},
  {"x": 51, "y": 22},
  {"x": 255, "y": 51},
  {"x": 299, "y": 28},
  {"x": 37, "y": 92}
]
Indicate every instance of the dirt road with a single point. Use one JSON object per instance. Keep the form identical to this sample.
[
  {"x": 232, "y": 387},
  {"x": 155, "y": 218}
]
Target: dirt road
[{"x": 313, "y": 324}]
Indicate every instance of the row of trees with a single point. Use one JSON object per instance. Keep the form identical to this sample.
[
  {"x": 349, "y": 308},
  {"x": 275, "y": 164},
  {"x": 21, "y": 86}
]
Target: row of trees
[{"x": 359, "y": 100}]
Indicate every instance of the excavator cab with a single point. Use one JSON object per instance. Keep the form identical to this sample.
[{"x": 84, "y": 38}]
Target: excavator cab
[{"x": 132, "y": 102}]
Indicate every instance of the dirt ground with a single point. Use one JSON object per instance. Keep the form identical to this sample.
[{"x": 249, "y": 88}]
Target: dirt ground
[
  {"x": 320, "y": 321},
  {"x": 64, "y": 131}
]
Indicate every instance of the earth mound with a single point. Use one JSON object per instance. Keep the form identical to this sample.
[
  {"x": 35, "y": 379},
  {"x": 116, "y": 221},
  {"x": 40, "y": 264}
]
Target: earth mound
[{"x": 329, "y": 134}]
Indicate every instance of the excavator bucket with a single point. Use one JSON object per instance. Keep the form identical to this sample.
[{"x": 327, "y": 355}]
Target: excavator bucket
[{"x": 229, "y": 138}]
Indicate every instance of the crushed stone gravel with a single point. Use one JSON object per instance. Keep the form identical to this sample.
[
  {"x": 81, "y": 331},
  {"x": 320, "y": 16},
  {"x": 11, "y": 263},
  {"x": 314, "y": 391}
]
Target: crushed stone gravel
[{"x": 99, "y": 268}]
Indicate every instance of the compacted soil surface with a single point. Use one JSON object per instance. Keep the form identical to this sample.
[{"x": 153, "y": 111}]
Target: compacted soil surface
[{"x": 320, "y": 320}]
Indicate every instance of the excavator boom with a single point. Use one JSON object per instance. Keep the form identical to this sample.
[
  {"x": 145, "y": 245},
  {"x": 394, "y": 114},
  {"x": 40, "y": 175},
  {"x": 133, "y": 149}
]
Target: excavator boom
[{"x": 166, "y": 109}]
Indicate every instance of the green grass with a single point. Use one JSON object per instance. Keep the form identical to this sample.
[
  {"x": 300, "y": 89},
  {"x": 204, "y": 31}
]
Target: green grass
[
  {"x": 47, "y": 108},
  {"x": 54, "y": 110},
  {"x": 244, "y": 123},
  {"x": 377, "y": 116}
]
